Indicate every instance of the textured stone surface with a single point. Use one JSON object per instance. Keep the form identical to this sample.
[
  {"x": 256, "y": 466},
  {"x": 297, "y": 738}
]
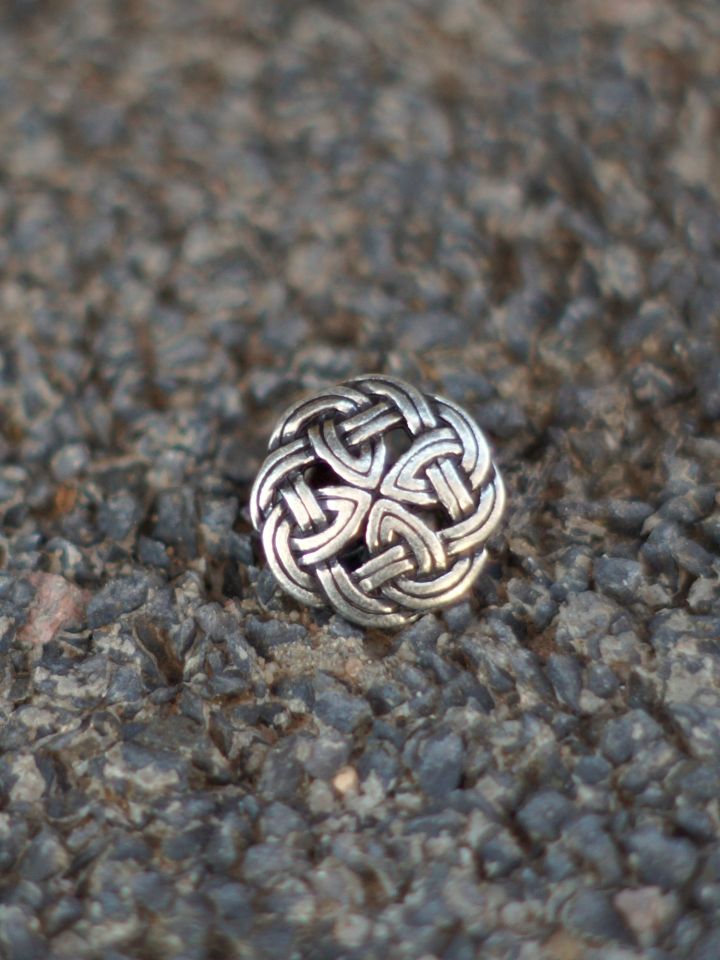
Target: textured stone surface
[{"x": 208, "y": 209}]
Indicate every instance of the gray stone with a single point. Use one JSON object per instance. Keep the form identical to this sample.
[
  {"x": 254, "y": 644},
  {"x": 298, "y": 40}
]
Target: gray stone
[
  {"x": 118, "y": 597},
  {"x": 697, "y": 781},
  {"x": 299, "y": 691},
  {"x": 659, "y": 548},
  {"x": 458, "y": 617},
  {"x": 70, "y": 461},
  {"x": 188, "y": 843},
  {"x": 558, "y": 865},
  {"x": 44, "y": 857},
  {"x": 440, "y": 764},
  {"x": 266, "y": 635},
  {"x": 583, "y": 621},
  {"x": 691, "y": 505},
  {"x": 545, "y": 815},
  {"x": 153, "y": 553},
  {"x": 624, "y": 737},
  {"x": 422, "y": 635},
  {"x": 326, "y": 755},
  {"x": 696, "y": 823},
  {"x": 18, "y": 935},
  {"x": 232, "y": 901},
  {"x": 62, "y": 914},
  {"x": 708, "y": 947},
  {"x": 692, "y": 556},
  {"x": 340, "y": 709},
  {"x": 465, "y": 689},
  {"x": 217, "y": 516},
  {"x": 591, "y": 913},
  {"x": 627, "y": 516},
  {"x": 279, "y": 821},
  {"x": 572, "y": 571},
  {"x": 281, "y": 773},
  {"x": 385, "y": 696},
  {"x": 666, "y": 861},
  {"x": 119, "y": 515},
  {"x": 592, "y": 770},
  {"x": 589, "y": 841},
  {"x": 618, "y": 578},
  {"x": 382, "y": 760},
  {"x": 601, "y": 680},
  {"x": 686, "y": 934},
  {"x": 176, "y": 521},
  {"x": 264, "y": 862},
  {"x": 564, "y": 674},
  {"x": 500, "y": 855}
]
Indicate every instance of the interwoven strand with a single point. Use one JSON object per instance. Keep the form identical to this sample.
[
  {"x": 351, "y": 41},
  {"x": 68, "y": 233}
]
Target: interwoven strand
[{"x": 418, "y": 523}]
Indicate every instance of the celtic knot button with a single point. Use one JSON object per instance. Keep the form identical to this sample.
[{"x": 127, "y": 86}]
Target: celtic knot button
[{"x": 378, "y": 500}]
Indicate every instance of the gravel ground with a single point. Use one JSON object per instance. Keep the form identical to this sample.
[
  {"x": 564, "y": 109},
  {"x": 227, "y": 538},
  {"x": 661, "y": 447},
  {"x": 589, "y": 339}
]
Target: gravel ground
[{"x": 210, "y": 208}]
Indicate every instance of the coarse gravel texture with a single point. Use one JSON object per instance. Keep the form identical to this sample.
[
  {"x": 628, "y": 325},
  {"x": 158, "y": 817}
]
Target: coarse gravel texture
[{"x": 210, "y": 208}]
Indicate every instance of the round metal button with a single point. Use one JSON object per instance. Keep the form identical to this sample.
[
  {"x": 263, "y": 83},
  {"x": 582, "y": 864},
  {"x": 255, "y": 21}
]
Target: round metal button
[{"x": 378, "y": 500}]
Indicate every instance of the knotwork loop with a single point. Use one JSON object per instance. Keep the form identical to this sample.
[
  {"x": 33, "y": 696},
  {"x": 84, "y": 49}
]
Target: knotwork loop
[{"x": 376, "y": 499}]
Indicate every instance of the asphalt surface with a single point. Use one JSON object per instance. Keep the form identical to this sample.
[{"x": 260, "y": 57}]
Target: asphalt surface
[{"x": 208, "y": 210}]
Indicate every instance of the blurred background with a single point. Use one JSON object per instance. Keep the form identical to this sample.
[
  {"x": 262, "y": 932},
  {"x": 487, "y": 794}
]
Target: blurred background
[
  {"x": 206, "y": 207},
  {"x": 209, "y": 208}
]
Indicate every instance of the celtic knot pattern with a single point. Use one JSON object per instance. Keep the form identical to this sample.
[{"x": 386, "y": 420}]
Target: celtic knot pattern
[{"x": 378, "y": 500}]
